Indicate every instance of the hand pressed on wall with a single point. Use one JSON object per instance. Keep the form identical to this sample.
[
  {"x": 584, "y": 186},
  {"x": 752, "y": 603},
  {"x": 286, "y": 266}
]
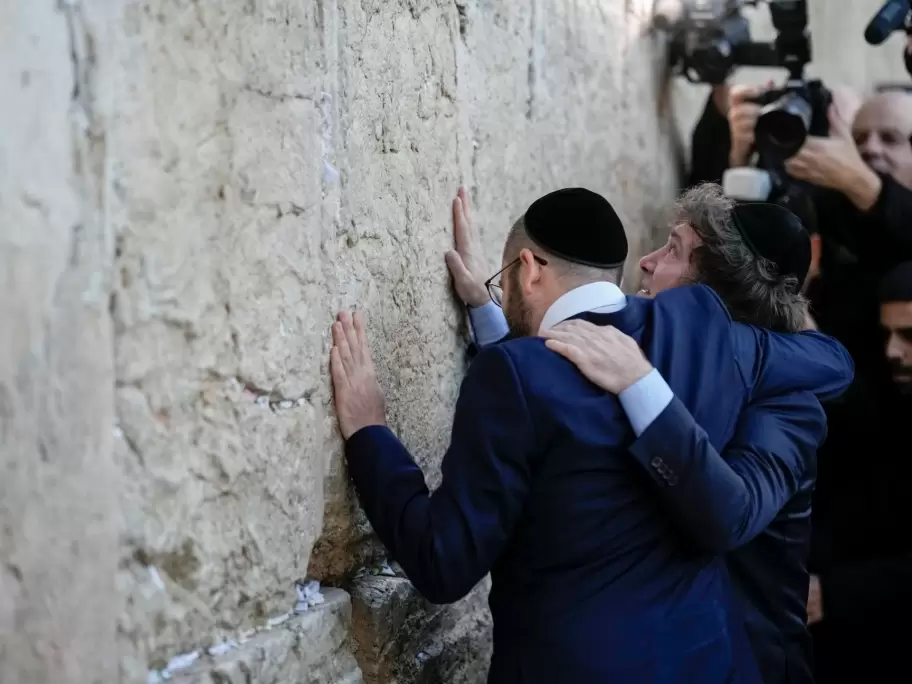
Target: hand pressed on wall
[
  {"x": 605, "y": 355},
  {"x": 359, "y": 399},
  {"x": 466, "y": 262}
]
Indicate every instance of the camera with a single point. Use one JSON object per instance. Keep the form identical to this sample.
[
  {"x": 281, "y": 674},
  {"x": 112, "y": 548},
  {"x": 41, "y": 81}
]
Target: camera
[
  {"x": 710, "y": 38},
  {"x": 789, "y": 115}
]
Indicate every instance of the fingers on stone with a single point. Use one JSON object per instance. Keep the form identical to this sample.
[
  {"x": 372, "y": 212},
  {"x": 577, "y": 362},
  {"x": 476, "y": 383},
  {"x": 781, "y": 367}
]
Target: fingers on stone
[
  {"x": 360, "y": 332},
  {"x": 336, "y": 368},
  {"x": 340, "y": 339},
  {"x": 351, "y": 336},
  {"x": 337, "y": 334}
]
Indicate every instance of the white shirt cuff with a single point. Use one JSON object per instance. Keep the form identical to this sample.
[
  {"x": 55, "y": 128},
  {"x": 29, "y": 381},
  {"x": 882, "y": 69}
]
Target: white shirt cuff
[
  {"x": 488, "y": 324},
  {"x": 644, "y": 400}
]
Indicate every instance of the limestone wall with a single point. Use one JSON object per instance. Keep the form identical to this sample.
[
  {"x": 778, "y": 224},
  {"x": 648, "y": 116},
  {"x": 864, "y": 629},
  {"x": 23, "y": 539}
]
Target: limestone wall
[{"x": 189, "y": 190}]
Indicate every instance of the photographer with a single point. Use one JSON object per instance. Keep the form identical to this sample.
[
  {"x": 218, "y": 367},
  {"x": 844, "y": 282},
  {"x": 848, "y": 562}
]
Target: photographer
[
  {"x": 862, "y": 550},
  {"x": 711, "y": 140},
  {"x": 869, "y": 166},
  {"x": 858, "y": 179},
  {"x": 864, "y": 168}
]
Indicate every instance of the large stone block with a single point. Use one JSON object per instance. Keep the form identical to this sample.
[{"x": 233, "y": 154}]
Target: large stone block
[
  {"x": 313, "y": 648},
  {"x": 402, "y": 638}
]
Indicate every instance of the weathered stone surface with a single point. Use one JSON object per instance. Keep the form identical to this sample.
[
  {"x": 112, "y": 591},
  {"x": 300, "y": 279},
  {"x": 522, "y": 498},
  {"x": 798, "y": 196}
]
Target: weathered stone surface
[
  {"x": 59, "y": 518},
  {"x": 400, "y": 637},
  {"x": 313, "y": 648},
  {"x": 189, "y": 191}
]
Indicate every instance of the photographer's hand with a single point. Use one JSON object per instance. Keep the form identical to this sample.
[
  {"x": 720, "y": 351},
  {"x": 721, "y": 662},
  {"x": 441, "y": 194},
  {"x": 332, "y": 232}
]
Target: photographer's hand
[
  {"x": 835, "y": 163},
  {"x": 742, "y": 118}
]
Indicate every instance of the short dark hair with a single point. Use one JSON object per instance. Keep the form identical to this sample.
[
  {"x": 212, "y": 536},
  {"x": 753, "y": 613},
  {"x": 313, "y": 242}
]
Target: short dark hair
[
  {"x": 897, "y": 284},
  {"x": 750, "y": 286}
]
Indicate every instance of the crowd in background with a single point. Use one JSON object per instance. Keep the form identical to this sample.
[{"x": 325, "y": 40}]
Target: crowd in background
[{"x": 858, "y": 182}]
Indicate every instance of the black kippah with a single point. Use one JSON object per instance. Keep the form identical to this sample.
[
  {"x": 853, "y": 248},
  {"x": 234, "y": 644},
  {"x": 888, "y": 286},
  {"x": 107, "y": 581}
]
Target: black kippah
[
  {"x": 897, "y": 284},
  {"x": 578, "y": 225},
  {"x": 776, "y": 234}
]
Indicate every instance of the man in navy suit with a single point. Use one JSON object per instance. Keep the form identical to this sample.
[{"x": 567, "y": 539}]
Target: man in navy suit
[
  {"x": 592, "y": 581},
  {"x": 754, "y": 498}
]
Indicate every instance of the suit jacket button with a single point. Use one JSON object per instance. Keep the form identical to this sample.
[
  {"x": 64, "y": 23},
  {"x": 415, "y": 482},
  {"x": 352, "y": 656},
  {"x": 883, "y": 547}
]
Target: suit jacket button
[
  {"x": 672, "y": 481},
  {"x": 656, "y": 463}
]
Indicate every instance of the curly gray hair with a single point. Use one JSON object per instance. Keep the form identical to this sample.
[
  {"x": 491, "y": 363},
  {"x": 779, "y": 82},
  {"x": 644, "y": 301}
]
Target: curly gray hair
[{"x": 750, "y": 285}]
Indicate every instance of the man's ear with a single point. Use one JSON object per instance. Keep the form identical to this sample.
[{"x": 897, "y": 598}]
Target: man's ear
[{"x": 529, "y": 269}]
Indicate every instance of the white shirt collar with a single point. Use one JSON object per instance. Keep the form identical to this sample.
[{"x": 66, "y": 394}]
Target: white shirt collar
[{"x": 600, "y": 297}]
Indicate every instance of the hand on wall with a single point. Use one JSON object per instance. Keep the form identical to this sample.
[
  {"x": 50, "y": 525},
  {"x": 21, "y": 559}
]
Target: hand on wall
[
  {"x": 359, "y": 399},
  {"x": 466, "y": 263}
]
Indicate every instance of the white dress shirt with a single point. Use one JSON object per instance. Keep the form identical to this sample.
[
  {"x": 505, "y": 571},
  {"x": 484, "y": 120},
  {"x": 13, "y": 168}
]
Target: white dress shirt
[{"x": 642, "y": 401}]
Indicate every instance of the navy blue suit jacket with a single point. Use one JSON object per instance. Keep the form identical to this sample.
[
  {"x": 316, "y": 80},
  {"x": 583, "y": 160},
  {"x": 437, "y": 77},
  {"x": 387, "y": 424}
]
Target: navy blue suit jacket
[
  {"x": 753, "y": 500},
  {"x": 592, "y": 580}
]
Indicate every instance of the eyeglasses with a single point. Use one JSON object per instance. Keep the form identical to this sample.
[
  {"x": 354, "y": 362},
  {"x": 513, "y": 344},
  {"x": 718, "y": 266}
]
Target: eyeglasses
[{"x": 495, "y": 291}]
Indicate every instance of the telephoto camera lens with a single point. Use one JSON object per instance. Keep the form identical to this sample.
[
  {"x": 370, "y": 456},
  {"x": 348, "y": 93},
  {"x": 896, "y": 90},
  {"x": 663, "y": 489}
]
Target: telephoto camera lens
[{"x": 782, "y": 126}]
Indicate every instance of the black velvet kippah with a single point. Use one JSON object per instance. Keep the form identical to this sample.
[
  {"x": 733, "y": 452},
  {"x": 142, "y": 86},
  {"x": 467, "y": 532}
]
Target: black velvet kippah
[
  {"x": 775, "y": 233},
  {"x": 897, "y": 284},
  {"x": 578, "y": 225}
]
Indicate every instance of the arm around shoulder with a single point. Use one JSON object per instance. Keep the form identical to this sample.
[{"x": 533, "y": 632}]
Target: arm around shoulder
[{"x": 724, "y": 500}]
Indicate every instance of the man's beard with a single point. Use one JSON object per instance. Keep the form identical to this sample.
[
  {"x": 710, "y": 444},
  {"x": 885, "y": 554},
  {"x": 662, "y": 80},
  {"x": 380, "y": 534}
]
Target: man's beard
[
  {"x": 516, "y": 310},
  {"x": 902, "y": 376}
]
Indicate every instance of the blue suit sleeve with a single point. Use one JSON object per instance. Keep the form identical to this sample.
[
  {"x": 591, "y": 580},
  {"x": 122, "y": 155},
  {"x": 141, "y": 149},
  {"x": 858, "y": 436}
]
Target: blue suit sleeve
[
  {"x": 725, "y": 500},
  {"x": 446, "y": 542},
  {"x": 774, "y": 364}
]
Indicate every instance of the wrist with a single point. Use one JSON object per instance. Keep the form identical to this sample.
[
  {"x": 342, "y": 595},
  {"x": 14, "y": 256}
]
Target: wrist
[
  {"x": 476, "y": 300},
  {"x": 720, "y": 98},
  {"x": 350, "y": 431},
  {"x": 862, "y": 187},
  {"x": 737, "y": 158},
  {"x": 637, "y": 373}
]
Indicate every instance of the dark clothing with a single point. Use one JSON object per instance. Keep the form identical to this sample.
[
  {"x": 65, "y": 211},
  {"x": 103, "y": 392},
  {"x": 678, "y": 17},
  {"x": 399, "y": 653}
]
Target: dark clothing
[
  {"x": 861, "y": 545},
  {"x": 710, "y": 144},
  {"x": 862, "y": 548},
  {"x": 592, "y": 581},
  {"x": 760, "y": 515},
  {"x": 774, "y": 451}
]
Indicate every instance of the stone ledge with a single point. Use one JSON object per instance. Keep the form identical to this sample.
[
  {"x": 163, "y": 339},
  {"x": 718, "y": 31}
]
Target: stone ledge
[
  {"x": 311, "y": 648},
  {"x": 400, "y": 637}
]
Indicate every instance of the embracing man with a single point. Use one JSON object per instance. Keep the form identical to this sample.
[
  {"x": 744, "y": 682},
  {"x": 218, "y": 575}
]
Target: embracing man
[
  {"x": 760, "y": 516},
  {"x": 592, "y": 579}
]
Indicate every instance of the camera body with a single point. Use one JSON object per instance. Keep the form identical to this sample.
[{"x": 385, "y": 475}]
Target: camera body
[
  {"x": 789, "y": 115},
  {"x": 710, "y": 38},
  {"x": 707, "y": 44}
]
